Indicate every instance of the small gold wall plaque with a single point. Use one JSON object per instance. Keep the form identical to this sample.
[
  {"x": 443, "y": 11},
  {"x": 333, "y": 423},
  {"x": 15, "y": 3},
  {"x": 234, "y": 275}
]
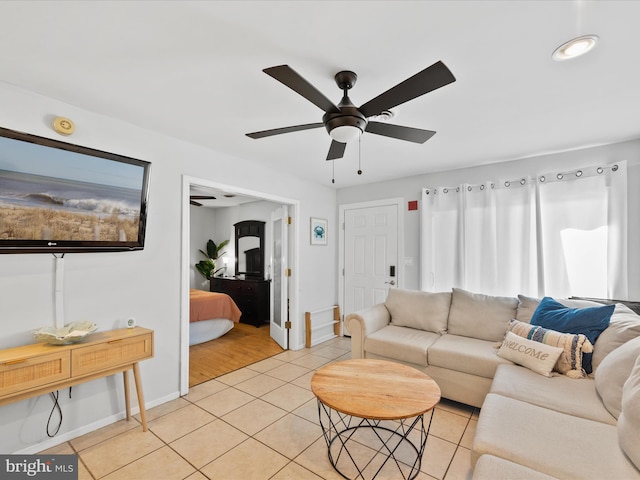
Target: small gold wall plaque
[{"x": 63, "y": 126}]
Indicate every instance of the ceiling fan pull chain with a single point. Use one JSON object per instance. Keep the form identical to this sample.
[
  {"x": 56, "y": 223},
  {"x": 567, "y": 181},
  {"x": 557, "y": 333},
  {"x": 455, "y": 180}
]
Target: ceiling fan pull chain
[
  {"x": 333, "y": 171},
  {"x": 360, "y": 155}
]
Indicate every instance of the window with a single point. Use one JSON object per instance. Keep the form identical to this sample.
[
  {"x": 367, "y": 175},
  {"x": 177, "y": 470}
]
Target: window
[{"x": 557, "y": 234}]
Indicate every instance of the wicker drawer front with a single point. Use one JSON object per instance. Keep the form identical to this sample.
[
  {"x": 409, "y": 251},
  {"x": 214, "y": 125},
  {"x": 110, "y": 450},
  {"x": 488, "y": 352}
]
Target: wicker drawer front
[
  {"x": 25, "y": 373},
  {"x": 103, "y": 356}
]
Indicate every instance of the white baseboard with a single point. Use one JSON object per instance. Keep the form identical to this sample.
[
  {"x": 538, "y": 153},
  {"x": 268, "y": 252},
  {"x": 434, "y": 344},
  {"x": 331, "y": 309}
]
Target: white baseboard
[{"x": 103, "y": 422}]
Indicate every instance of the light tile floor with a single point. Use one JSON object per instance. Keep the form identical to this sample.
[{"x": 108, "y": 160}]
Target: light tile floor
[{"x": 256, "y": 423}]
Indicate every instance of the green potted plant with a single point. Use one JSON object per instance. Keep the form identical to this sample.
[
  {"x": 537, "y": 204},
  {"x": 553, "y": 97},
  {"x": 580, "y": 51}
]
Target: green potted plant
[{"x": 208, "y": 267}]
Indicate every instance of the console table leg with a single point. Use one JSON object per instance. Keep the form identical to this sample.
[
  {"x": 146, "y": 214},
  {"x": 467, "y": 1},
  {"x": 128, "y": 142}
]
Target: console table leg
[
  {"x": 136, "y": 376},
  {"x": 127, "y": 404}
]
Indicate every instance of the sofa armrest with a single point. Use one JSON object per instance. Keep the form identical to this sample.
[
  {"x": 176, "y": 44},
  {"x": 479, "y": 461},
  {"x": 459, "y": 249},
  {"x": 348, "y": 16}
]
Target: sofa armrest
[{"x": 363, "y": 323}]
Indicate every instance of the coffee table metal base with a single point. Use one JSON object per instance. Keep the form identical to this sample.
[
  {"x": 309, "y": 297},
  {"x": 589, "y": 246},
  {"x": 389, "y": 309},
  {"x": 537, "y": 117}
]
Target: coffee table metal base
[{"x": 362, "y": 448}]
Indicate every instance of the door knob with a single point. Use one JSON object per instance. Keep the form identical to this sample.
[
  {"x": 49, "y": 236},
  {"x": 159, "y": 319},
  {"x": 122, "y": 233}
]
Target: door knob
[{"x": 392, "y": 282}]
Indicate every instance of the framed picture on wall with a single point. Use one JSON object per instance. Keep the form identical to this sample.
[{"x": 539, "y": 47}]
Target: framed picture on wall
[{"x": 318, "y": 231}]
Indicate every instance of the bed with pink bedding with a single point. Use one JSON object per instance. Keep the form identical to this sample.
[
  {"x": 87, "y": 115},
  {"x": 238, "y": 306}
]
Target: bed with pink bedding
[{"x": 211, "y": 315}]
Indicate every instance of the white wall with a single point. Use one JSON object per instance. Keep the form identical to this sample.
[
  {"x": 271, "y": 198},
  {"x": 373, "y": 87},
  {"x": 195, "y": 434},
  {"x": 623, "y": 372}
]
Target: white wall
[
  {"x": 107, "y": 288},
  {"x": 202, "y": 229},
  {"x": 410, "y": 189}
]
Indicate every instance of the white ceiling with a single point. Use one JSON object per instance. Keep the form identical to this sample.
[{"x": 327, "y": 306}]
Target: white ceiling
[
  {"x": 221, "y": 198},
  {"x": 193, "y": 70}
]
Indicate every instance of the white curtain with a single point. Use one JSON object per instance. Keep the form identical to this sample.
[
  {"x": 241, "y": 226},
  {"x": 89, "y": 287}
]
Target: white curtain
[
  {"x": 583, "y": 232},
  {"x": 479, "y": 237},
  {"x": 557, "y": 234}
]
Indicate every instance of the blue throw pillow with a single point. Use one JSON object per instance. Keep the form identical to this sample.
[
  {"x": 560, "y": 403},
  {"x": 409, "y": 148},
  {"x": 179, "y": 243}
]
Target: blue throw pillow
[{"x": 590, "y": 321}]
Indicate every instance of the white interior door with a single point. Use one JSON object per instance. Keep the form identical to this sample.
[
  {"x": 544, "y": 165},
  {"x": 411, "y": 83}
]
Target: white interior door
[
  {"x": 279, "y": 283},
  {"x": 371, "y": 240}
]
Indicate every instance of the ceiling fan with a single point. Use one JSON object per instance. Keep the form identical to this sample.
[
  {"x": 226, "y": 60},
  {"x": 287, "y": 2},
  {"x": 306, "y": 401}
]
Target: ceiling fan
[
  {"x": 345, "y": 121},
  {"x": 193, "y": 198}
]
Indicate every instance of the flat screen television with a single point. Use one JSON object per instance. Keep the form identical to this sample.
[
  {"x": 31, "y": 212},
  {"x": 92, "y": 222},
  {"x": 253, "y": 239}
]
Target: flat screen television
[{"x": 56, "y": 197}]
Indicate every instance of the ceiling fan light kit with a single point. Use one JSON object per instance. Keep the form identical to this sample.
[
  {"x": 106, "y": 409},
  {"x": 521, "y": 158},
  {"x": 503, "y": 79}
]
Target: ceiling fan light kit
[
  {"x": 345, "y": 133},
  {"x": 346, "y": 122},
  {"x": 575, "y": 47}
]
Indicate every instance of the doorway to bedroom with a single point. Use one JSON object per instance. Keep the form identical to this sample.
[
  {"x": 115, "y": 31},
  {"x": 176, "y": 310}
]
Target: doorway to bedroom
[{"x": 212, "y": 212}]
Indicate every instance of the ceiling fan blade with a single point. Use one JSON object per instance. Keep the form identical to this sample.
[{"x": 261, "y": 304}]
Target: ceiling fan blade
[
  {"x": 278, "y": 131},
  {"x": 193, "y": 202},
  {"x": 292, "y": 79},
  {"x": 409, "y": 134},
  {"x": 429, "y": 79},
  {"x": 202, "y": 197},
  {"x": 336, "y": 150}
]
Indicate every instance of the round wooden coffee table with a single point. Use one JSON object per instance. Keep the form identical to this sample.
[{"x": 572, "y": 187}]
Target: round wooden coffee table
[{"x": 372, "y": 416}]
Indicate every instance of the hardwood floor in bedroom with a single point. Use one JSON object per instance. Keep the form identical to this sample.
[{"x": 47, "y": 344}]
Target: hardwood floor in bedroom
[{"x": 243, "y": 345}]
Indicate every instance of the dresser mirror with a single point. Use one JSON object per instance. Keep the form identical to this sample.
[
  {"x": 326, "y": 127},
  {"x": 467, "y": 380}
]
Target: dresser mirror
[{"x": 249, "y": 242}]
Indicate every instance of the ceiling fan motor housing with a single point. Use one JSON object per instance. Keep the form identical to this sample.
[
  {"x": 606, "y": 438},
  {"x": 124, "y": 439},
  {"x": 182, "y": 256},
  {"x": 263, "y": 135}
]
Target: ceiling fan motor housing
[{"x": 349, "y": 116}]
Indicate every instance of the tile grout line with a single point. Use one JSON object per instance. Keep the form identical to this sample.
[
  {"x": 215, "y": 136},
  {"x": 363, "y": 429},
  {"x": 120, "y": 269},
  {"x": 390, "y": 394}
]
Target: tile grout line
[
  {"x": 253, "y": 436},
  {"x": 458, "y": 446},
  {"x": 290, "y": 362},
  {"x": 468, "y": 416}
]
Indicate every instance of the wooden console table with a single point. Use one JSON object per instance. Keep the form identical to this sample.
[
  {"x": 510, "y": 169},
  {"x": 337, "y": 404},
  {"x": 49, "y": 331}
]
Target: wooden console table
[{"x": 40, "y": 368}]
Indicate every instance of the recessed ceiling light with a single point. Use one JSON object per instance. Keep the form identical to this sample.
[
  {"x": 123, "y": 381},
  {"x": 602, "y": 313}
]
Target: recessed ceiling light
[{"x": 575, "y": 47}]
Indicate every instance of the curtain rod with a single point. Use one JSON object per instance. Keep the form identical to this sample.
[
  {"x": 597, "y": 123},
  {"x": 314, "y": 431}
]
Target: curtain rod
[{"x": 519, "y": 182}]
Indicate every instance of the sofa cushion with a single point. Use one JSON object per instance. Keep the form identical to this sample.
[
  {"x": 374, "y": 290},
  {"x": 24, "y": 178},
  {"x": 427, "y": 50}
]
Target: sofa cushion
[
  {"x": 613, "y": 372},
  {"x": 528, "y": 305},
  {"x": 401, "y": 343},
  {"x": 466, "y": 355},
  {"x": 629, "y": 421},
  {"x": 480, "y": 316},
  {"x": 589, "y": 321},
  {"x": 422, "y": 310},
  {"x": 536, "y": 356},
  {"x": 624, "y": 326},
  {"x": 490, "y": 467},
  {"x": 570, "y": 361},
  {"x": 559, "y": 393},
  {"x": 554, "y": 443}
]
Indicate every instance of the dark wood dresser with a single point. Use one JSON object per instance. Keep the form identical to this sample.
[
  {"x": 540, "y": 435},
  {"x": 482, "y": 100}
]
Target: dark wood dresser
[{"x": 251, "y": 295}]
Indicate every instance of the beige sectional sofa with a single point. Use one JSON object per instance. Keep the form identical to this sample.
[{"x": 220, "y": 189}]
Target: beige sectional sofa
[
  {"x": 530, "y": 425},
  {"x": 450, "y": 336}
]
